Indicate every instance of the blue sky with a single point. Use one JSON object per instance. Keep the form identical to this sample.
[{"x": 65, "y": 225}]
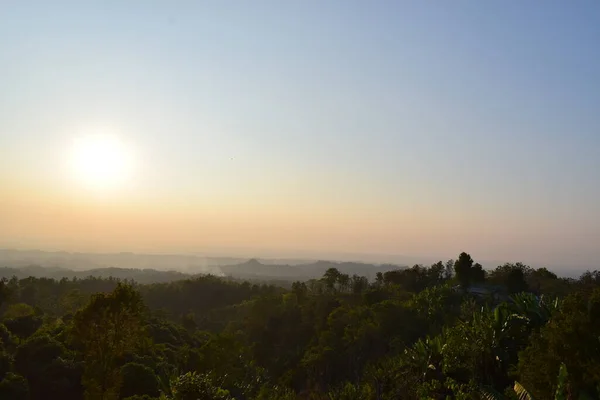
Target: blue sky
[{"x": 421, "y": 128}]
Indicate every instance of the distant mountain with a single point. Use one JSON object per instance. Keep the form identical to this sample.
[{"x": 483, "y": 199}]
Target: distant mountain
[
  {"x": 256, "y": 269},
  {"x": 192, "y": 264},
  {"x": 142, "y": 276},
  {"x": 149, "y": 268}
]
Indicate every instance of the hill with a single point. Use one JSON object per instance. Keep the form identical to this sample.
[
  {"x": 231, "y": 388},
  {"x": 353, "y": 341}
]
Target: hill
[
  {"x": 142, "y": 276},
  {"x": 256, "y": 269}
]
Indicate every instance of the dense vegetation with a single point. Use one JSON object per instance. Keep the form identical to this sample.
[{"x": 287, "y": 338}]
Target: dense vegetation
[{"x": 451, "y": 330}]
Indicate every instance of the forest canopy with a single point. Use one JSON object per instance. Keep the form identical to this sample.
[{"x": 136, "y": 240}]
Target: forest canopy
[{"x": 448, "y": 330}]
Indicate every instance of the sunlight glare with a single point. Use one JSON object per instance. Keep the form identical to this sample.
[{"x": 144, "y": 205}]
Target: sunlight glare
[{"x": 101, "y": 161}]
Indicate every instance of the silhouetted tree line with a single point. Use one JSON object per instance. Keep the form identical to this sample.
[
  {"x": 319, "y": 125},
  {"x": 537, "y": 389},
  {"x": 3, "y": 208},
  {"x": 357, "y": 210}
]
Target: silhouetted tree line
[{"x": 449, "y": 330}]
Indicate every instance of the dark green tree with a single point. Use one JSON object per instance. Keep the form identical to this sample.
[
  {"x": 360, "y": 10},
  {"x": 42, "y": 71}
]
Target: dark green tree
[
  {"x": 515, "y": 281},
  {"x": 331, "y": 276},
  {"x": 14, "y": 387},
  {"x": 512, "y": 276},
  {"x": 449, "y": 269},
  {"x": 477, "y": 274},
  {"x": 194, "y": 386},
  {"x": 462, "y": 269},
  {"x": 23, "y": 326},
  {"x": 138, "y": 379},
  {"x": 379, "y": 278},
  {"x": 5, "y": 363},
  {"x": 49, "y": 368},
  {"x": 5, "y": 291}
]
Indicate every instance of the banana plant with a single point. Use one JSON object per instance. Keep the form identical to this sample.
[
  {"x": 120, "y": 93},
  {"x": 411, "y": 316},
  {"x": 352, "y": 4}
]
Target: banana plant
[
  {"x": 536, "y": 310},
  {"x": 523, "y": 394},
  {"x": 425, "y": 355}
]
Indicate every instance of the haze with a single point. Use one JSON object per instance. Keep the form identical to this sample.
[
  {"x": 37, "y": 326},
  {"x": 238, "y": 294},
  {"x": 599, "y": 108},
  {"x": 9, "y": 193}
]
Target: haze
[{"x": 304, "y": 129}]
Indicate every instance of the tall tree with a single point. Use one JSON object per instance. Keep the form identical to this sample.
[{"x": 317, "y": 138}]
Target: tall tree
[
  {"x": 462, "y": 269},
  {"x": 344, "y": 282},
  {"x": 49, "y": 368},
  {"x": 108, "y": 327},
  {"x": 449, "y": 268},
  {"x": 515, "y": 281},
  {"x": 331, "y": 276},
  {"x": 477, "y": 274},
  {"x": 4, "y": 290}
]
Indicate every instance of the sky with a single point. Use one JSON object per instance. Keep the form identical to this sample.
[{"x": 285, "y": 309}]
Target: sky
[{"x": 305, "y": 127}]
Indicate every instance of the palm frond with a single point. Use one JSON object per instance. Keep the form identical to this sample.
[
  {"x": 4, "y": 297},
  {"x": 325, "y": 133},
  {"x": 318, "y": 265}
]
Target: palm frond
[
  {"x": 522, "y": 393},
  {"x": 490, "y": 394},
  {"x": 561, "y": 387}
]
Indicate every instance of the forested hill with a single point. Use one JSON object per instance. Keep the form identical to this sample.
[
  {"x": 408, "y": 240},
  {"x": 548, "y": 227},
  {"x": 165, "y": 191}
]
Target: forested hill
[
  {"x": 142, "y": 276},
  {"x": 257, "y": 269},
  {"x": 253, "y": 270},
  {"x": 445, "y": 331}
]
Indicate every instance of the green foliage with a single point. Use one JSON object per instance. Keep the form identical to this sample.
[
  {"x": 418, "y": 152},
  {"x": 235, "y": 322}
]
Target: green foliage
[
  {"x": 49, "y": 368},
  {"x": 275, "y": 393},
  {"x": 6, "y": 338},
  {"x": 514, "y": 276},
  {"x": 107, "y": 328},
  {"x": 5, "y": 291},
  {"x": 18, "y": 310},
  {"x": 141, "y": 397},
  {"x": 349, "y": 391},
  {"x": 5, "y": 363},
  {"x": 194, "y": 386},
  {"x": 23, "y": 326},
  {"x": 138, "y": 379},
  {"x": 14, "y": 387},
  {"x": 521, "y": 392},
  {"x": 571, "y": 338},
  {"x": 561, "y": 384},
  {"x": 410, "y": 334},
  {"x": 417, "y": 278}
]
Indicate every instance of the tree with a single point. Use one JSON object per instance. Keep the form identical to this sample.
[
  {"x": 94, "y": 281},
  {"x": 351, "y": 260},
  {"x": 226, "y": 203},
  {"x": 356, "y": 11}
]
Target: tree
[
  {"x": 300, "y": 290},
  {"x": 107, "y": 328},
  {"x": 344, "y": 282},
  {"x": 436, "y": 273},
  {"x": 523, "y": 394},
  {"x": 572, "y": 338},
  {"x": 413, "y": 279},
  {"x": 477, "y": 274},
  {"x": 194, "y": 386},
  {"x": 379, "y": 278},
  {"x": 348, "y": 391},
  {"x": 143, "y": 397},
  {"x": 515, "y": 281},
  {"x": 448, "y": 269},
  {"x": 18, "y": 310},
  {"x": 72, "y": 300},
  {"x": 14, "y": 387},
  {"x": 49, "y": 368},
  {"x": 23, "y": 326},
  {"x": 330, "y": 277},
  {"x": 5, "y": 336},
  {"x": 275, "y": 393},
  {"x": 462, "y": 269},
  {"x": 359, "y": 284},
  {"x": 5, "y": 363},
  {"x": 409, "y": 335},
  {"x": 512, "y": 276},
  {"x": 189, "y": 322},
  {"x": 5, "y": 291},
  {"x": 138, "y": 379}
]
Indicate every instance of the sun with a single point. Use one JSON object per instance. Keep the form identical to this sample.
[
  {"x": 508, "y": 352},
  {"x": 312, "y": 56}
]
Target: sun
[{"x": 101, "y": 161}]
